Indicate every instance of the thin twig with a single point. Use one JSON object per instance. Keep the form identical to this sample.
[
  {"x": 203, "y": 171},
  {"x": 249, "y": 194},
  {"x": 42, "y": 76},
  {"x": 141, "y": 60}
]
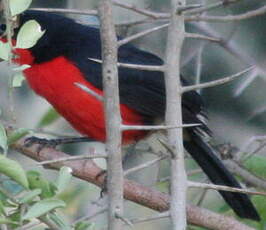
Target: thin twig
[
  {"x": 141, "y": 34},
  {"x": 125, "y": 220},
  {"x": 248, "y": 177},
  {"x": 209, "y": 7},
  {"x": 199, "y": 65},
  {"x": 183, "y": 9},
  {"x": 245, "y": 83},
  {"x": 133, "y": 66},
  {"x": 89, "y": 91},
  {"x": 144, "y": 12},
  {"x": 91, "y": 216},
  {"x": 156, "y": 127},
  {"x": 139, "y": 22},
  {"x": 202, "y": 197},
  {"x": 229, "y": 18},
  {"x": 260, "y": 139},
  {"x": 144, "y": 165},
  {"x": 67, "y": 11},
  {"x": 203, "y": 37},
  {"x": 233, "y": 48},
  {"x": 150, "y": 218},
  {"x": 156, "y": 15},
  {"x": 189, "y": 173},
  {"x": 248, "y": 143},
  {"x": 216, "y": 82},
  {"x": 192, "y": 184},
  {"x": 74, "y": 158}
]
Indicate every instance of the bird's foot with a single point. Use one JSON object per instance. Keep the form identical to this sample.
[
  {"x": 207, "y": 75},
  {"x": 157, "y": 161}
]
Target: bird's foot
[
  {"x": 52, "y": 143},
  {"x": 42, "y": 142},
  {"x": 104, "y": 186}
]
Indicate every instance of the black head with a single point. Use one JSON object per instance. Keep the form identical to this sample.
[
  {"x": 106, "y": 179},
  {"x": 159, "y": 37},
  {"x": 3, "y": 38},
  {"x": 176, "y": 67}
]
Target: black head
[
  {"x": 2, "y": 29},
  {"x": 62, "y": 36}
]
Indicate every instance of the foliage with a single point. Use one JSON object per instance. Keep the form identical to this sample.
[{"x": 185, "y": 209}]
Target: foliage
[{"x": 26, "y": 195}]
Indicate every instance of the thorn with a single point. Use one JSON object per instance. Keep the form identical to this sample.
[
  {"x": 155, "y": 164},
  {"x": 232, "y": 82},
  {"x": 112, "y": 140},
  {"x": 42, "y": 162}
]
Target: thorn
[
  {"x": 182, "y": 9},
  {"x": 125, "y": 220}
]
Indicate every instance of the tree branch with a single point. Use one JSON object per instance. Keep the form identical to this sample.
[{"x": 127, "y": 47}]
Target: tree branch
[
  {"x": 223, "y": 188},
  {"x": 216, "y": 82},
  {"x": 173, "y": 116},
  {"x": 229, "y": 18},
  {"x": 112, "y": 116},
  {"x": 87, "y": 170},
  {"x": 67, "y": 11},
  {"x": 134, "y": 66},
  {"x": 246, "y": 175}
]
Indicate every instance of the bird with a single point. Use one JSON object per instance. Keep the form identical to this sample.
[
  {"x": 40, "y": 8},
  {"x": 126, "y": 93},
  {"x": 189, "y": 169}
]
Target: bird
[{"x": 66, "y": 54}]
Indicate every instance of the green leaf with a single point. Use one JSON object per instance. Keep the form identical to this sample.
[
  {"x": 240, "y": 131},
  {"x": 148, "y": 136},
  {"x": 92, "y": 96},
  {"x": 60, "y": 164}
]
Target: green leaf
[
  {"x": 29, "y": 34},
  {"x": 7, "y": 221},
  {"x": 63, "y": 178},
  {"x": 82, "y": 225},
  {"x": 12, "y": 187},
  {"x": 5, "y": 50},
  {"x": 59, "y": 220},
  {"x": 29, "y": 196},
  {"x": 18, "y": 6},
  {"x": 15, "y": 217},
  {"x": 260, "y": 203},
  {"x": 16, "y": 135},
  {"x": 42, "y": 207},
  {"x": 21, "y": 68},
  {"x": 48, "y": 118},
  {"x": 256, "y": 165},
  {"x": 13, "y": 170},
  {"x": 37, "y": 181},
  {"x": 18, "y": 78},
  {"x": 3, "y": 138},
  {"x": 2, "y": 208}
]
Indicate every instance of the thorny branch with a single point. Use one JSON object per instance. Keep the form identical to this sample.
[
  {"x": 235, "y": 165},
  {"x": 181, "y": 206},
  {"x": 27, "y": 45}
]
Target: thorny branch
[
  {"x": 158, "y": 16},
  {"x": 88, "y": 171},
  {"x": 173, "y": 116},
  {"x": 112, "y": 116}
]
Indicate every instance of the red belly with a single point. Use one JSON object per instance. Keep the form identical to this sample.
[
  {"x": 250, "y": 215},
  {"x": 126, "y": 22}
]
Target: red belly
[{"x": 55, "y": 80}]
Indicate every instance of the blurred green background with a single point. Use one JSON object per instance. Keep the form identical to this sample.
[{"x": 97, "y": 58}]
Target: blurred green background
[{"x": 236, "y": 110}]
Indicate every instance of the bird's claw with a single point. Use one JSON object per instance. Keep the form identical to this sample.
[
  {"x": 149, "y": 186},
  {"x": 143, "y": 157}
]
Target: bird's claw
[
  {"x": 104, "y": 186},
  {"x": 42, "y": 142}
]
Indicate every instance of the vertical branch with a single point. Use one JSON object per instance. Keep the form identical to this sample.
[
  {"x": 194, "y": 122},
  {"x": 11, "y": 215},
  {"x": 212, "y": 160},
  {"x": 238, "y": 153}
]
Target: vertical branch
[
  {"x": 199, "y": 55},
  {"x": 176, "y": 34},
  {"x": 9, "y": 26},
  {"x": 9, "y": 32},
  {"x": 112, "y": 116}
]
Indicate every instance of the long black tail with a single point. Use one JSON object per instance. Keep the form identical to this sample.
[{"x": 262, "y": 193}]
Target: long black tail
[{"x": 204, "y": 155}]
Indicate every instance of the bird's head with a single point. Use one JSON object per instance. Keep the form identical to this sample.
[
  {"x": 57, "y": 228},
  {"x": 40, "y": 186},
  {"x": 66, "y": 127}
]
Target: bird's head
[{"x": 60, "y": 33}]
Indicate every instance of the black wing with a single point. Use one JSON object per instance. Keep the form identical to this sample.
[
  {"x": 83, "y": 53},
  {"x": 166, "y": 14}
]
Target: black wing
[{"x": 143, "y": 91}]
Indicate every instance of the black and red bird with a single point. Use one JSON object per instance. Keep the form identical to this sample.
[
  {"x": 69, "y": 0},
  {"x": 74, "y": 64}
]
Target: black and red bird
[{"x": 63, "y": 56}]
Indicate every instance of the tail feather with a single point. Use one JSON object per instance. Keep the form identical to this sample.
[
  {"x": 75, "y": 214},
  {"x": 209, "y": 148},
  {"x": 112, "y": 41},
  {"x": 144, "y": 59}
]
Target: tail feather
[{"x": 204, "y": 155}]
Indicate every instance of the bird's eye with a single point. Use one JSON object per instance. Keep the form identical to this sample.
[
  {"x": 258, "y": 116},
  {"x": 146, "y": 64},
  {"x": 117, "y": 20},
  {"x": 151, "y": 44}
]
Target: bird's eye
[
  {"x": 2, "y": 29},
  {"x": 3, "y": 26}
]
